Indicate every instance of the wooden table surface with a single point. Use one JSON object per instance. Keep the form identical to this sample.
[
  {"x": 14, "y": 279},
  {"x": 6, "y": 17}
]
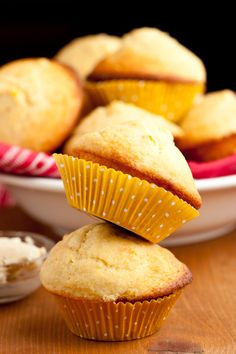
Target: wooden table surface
[{"x": 203, "y": 320}]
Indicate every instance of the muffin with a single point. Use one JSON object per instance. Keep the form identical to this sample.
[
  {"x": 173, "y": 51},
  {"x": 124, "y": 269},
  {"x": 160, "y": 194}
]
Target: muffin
[
  {"x": 118, "y": 112},
  {"x": 40, "y": 102},
  {"x": 112, "y": 286},
  {"x": 132, "y": 176},
  {"x": 210, "y": 127},
  {"x": 82, "y": 54},
  {"x": 153, "y": 71}
]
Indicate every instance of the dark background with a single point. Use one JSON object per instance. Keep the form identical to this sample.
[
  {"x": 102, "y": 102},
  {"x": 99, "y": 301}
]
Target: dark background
[{"x": 41, "y": 28}]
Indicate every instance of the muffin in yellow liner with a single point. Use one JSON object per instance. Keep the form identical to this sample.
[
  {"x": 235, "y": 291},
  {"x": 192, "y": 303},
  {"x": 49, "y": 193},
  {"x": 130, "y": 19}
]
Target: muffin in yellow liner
[
  {"x": 132, "y": 176},
  {"x": 153, "y": 71},
  {"x": 104, "y": 291}
]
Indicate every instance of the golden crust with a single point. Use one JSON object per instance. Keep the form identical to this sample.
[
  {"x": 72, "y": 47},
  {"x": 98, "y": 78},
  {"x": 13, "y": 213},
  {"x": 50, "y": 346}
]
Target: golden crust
[
  {"x": 82, "y": 54},
  {"x": 150, "y": 54},
  {"x": 102, "y": 262},
  {"x": 209, "y": 121},
  {"x": 214, "y": 150},
  {"x": 40, "y": 102},
  {"x": 118, "y": 112},
  {"x": 149, "y": 154}
]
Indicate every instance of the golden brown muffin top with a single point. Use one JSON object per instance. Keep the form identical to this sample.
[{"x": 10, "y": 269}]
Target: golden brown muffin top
[
  {"x": 212, "y": 118},
  {"x": 40, "y": 101},
  {"x": 115, "y": 113},
  {"x": 148, "y": 53},
  {"x": 143, "y": 152},
  {"x": 103, "y": 262},
  {"x": 82, "y": 54}
]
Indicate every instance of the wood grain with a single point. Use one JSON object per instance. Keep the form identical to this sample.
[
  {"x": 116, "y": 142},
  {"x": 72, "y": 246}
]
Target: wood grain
[{"x": 203, "y": 320}]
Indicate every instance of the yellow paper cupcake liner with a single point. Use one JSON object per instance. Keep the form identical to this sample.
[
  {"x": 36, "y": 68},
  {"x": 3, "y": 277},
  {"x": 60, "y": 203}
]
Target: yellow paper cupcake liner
[
  {"x": 111, "y": 321},
  {"x": 143, "y": 208},
  {"x": 171, "y": 100}
]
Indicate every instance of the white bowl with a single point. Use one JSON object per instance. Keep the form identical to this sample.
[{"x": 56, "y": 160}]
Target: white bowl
[{"x": 44, "y": 199}]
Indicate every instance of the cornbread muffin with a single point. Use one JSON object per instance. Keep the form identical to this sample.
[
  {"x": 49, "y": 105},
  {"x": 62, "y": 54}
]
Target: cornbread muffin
[
  {"x": 147, "y": 153},
  {"x": 150, "y": 54},
  {"x": 111, "y": 285},
  {"x": 152, "y": 70},
  {"x": 40, "y": 102},
  {"x": 210, "y": 127},
  {"x": 82, "y": 54},
  {"x": 118, "y": 112},
  {"x": 103, "y": 262}
]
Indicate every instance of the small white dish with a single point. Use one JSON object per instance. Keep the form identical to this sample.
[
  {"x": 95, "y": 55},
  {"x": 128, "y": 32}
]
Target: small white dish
[
  {"x": 44, "y": 199},
  {"x": 21, "y": 278}
]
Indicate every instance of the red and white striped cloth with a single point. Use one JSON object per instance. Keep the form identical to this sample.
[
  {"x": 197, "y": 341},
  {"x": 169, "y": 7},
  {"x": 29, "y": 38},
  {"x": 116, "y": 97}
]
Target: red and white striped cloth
[
  {"x": 16, "y": 160},
  {"x": 20, "y": 161}
]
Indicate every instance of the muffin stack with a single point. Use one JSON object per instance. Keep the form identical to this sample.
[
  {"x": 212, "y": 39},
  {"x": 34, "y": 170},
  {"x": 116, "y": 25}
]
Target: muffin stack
[{"x": 111, "y": 284}]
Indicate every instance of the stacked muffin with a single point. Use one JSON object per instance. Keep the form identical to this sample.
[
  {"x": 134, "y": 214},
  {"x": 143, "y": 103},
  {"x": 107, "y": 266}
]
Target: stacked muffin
[{"x": 111, "y": 284}]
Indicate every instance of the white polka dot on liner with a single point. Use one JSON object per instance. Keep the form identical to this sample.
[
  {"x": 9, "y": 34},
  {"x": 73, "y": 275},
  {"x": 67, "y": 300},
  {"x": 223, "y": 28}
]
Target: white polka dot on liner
[
  {"x": 127, "y": 335},
  {"x": 95, "y": 180},
  {"x": 111, "y": 181},
  {"x": 84, "y": 209},
  {"x": 102, "y": 192},
  {"x": 88, "y": 167},
  {"x": 164, "y": 318},
  {"x": 173, "y": 203},
  {"x": 167, "y": 215},
  {"x": 132, "y": 197},
  {"x": 129, "y": 177},
  {"x": 86, "y": 325},
  {"x": 113, "y": 202},
  {"x": 104, "y": 213},
  {"x": 73, "y": 311},
  {"x": 158, "y": 236},
  {"x": 118, "y": 222},
  {"x": 184, "y": 221},
  {"x": 94, "y": 202},
  {"x": 73, "y": 178},
  {"x": 153, "y": 215},
  {"x": 148, "y": 229},
  {"x": 116, "y": 326},
  {"x": 161, "y": 226},
  {"x": 100, "y": 308},
  {"x": 159, "y": 201},
  {"x": 121, "y": 189},
  {"x": 153, "y": 185},
  {"x": 133, "y": 227},
  {"x": 108, "y": 317},
  {"x": 139, "y": 214},
  {"x": 125, "y": 318},
  {"x": 179, "y": 211},
  {"x": 97, "y": 322},
  {"x": 125, "y": 210},
  {"x": 71, "y": 197},
  {"x": 117, "y": 310},
  {"x": 62, "y": 165},
  {"x": 135, "y": 323},
  {"x": 102, "y": 169},
  {"x": 145, "y": 200},
  {"x": 105, "y": 334},
  {"x": 86, "y": 189}
]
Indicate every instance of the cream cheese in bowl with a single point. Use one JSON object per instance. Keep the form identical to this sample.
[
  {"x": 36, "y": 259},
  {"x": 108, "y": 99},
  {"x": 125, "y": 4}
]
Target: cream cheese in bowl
[{"x": 21, "y": 257}]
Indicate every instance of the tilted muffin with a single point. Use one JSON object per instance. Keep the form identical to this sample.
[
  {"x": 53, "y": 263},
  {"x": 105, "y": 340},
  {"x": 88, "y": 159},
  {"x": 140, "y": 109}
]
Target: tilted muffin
[
  {"x": 210, "y": 127},
  {"x": 82, "y": 54},
  {"x": 118, "y": 112},
  {"x": 133, "y": 176},
  {"x": 112, "y": 285},
  {"x": 40, "y": 102},
  {"x": 152, "y": 70}
]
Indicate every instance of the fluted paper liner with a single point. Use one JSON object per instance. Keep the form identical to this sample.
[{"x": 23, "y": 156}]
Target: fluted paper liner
[
  {"x": 141, "y": 207},
  {"x": 171, "y": 100},
  {"x": 111, "y": 321}
]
